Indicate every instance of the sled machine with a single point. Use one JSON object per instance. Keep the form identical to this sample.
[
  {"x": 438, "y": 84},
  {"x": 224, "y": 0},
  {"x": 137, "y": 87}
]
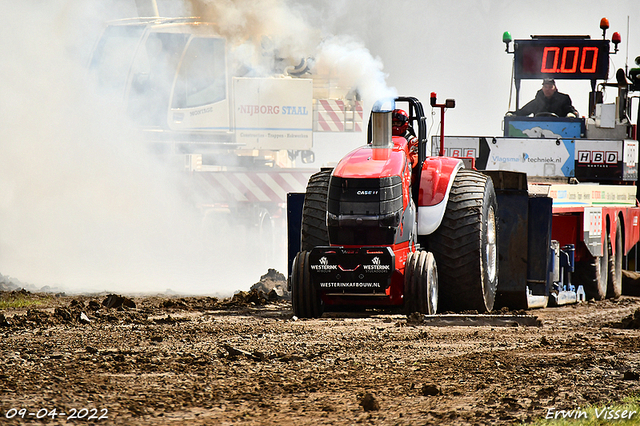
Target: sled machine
[{"x": 570, "y": 181}]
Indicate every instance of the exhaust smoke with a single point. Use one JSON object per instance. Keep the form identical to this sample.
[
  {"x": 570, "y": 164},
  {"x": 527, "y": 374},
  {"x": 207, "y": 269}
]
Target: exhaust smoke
[{"x": 83, "y": 206}]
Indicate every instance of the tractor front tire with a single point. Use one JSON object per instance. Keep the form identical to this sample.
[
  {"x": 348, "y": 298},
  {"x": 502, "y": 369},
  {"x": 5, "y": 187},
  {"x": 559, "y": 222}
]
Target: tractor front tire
[
  {"x": 413, "y": 285},
  {"x": 465, "y": 245},
  {"x": 304, "y": 296},
  {"x": 314, "y": 211},
  {"x": 420, "y": 283}
]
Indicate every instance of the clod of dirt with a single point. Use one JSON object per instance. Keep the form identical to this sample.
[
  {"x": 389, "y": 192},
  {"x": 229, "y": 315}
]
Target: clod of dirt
[
  {"x": 630, "y": 283},
  {"x": 631, "y": 322},
  {"x": 273, "y": 284},
  {"x": 76, "y": 304},
  {"x": 369, "y": 403},
  {"x": 115, "y": 301},
  {"x": 168, "y": 320},
  {"x": 93, "y": 305},
  {"x": 430, "y": 390},
  {"x": 546, "y": 392},
  {"x": 290, "y": 358},
  {"x": 3, "y": 321},
  {"x": 174, "y": 304},
  {"x": 91, "y": 350},
  {"x": 544, "y": 341},
  {"x": 231, "y": 353},
  {"x": 243, "y": 298},
  {"x": 37, "y": 316},
  {"x": 415, "y": 318},
  {"x": 63, "y": 313},
  {"x": 274, "y": 295}
]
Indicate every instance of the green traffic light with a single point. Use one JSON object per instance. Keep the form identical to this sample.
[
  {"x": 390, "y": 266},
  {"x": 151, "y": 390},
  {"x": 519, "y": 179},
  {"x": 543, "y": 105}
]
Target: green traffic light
[{"x": 506, "y": 37}]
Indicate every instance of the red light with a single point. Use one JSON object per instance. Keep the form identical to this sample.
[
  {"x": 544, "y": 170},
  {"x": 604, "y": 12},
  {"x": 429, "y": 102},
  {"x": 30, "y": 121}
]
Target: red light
[
  {"x": 615, "y": 38},
  {"x": 604, "y": 24},
  {"x": 433, "y": 98}
]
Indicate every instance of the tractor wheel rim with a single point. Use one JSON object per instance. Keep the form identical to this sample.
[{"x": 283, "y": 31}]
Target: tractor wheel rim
[
  {"x": 433, "y": 290},
  {"x": 491, "y": 246}
]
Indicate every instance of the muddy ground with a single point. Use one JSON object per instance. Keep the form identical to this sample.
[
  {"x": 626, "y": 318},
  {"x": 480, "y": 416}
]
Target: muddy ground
[{"x": 247, "y": 360}]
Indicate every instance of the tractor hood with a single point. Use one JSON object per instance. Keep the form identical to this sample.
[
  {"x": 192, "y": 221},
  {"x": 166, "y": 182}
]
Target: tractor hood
[{"x": 371, "y": 162}]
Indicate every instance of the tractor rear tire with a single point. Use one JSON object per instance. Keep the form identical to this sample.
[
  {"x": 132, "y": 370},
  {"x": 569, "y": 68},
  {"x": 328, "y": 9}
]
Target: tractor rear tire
[
  {"x": 314, "y": 231},
  {"x": 304, "y": 296},
  {"x": 614, "y": 286},
  {"x": 421, "y": 283},
  {"x": 465, "y": 245},
  {"x": 592, "y": 275}
]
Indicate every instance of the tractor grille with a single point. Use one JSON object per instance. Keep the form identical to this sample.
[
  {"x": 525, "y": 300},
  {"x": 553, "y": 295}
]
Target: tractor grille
[
  {"x": 364, "y": 210},
  {"x": 356, "y": 196}
]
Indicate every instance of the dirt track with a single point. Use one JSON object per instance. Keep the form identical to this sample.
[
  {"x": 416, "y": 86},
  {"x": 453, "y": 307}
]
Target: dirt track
[{"x": 247, "y": 361}]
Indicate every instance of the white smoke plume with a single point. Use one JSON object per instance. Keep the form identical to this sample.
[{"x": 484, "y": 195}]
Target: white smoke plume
[
  {"x": 83, "y": 207},
  {"x": 288, "y": 28}
]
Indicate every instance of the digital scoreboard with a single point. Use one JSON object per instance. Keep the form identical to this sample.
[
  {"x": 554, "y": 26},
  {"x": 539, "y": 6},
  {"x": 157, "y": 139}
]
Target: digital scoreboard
[{"x": 578, "y": 58}]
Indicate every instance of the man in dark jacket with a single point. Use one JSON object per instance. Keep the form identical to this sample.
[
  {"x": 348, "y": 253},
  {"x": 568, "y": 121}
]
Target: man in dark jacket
[{"x": 549, "y": 100}]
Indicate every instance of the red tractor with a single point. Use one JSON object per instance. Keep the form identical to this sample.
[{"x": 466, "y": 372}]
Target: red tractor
[{"x": 382, "y": 231}]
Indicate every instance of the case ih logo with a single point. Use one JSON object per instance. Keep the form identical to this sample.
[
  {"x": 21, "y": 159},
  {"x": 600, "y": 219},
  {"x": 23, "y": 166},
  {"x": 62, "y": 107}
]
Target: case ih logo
[{"x": 597, "y": 157}]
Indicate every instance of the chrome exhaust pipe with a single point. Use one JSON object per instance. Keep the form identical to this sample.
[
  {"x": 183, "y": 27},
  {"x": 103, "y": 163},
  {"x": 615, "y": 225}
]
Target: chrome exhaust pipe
[{"x": 381, "y": 129}]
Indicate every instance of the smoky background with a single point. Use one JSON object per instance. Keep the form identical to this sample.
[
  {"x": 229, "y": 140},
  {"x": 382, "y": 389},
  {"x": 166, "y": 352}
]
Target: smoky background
[{"x": 83, "y": 207}]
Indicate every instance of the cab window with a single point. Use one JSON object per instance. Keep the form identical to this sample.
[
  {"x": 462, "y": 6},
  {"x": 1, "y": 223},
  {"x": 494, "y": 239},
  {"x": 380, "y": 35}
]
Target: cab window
[{"x": 202, "y": 78}]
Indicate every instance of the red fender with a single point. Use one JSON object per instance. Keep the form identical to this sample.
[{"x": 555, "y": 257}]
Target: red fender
[{"x": 436, "y": 179}]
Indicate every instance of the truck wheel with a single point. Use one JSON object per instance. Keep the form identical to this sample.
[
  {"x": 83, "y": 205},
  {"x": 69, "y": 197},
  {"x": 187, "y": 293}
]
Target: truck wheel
[
  {"x": 592, "y": 275},
  {"x": 465, "y": 245},
  {"x": 304, "y": 296},
  {"x": 614, "y": 287},
  {"x": 314, "y": 231}
]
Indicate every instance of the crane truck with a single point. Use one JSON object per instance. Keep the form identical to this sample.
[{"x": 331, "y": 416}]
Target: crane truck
[
  {"x": 238, "y": 123},
  {"x": 542, "y": 215}
]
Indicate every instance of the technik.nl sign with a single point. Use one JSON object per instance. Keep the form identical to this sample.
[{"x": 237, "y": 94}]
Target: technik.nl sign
[
  {"x": 272, "y": 113},
  {"x": 593, "y": 159},
  {"x": 540, "y": 157}
]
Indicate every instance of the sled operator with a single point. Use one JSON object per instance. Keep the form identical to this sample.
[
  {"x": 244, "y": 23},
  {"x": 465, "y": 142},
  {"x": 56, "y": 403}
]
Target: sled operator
[{"x": 548, "y": 100}]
